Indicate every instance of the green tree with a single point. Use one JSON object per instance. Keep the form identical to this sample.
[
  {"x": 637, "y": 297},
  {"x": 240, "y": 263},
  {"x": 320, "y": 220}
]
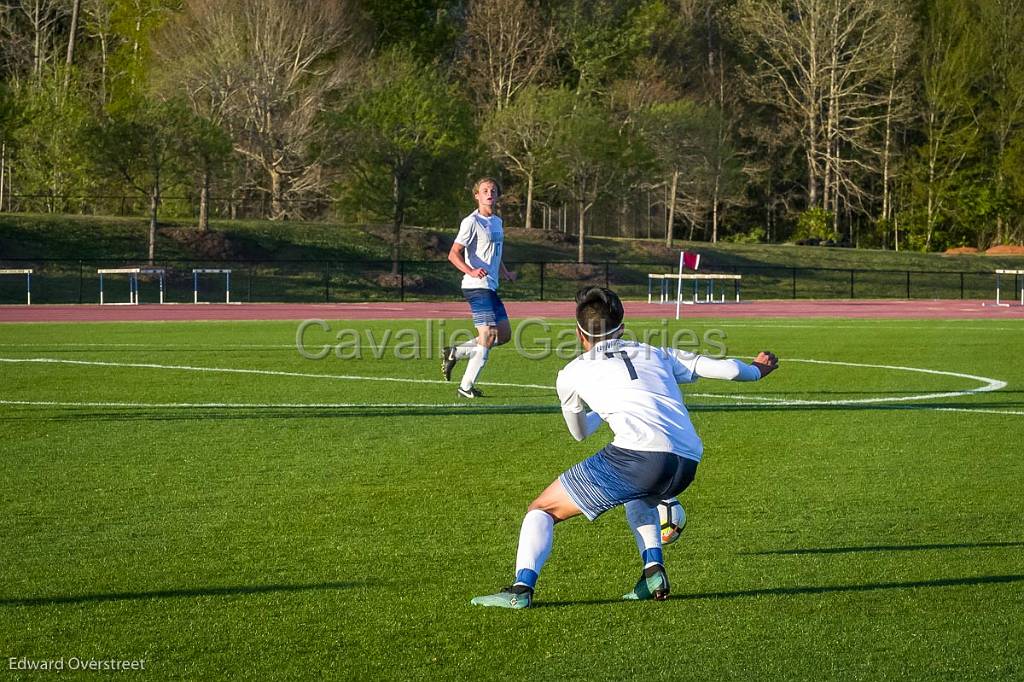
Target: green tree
[
  {"x": 603, "y": 38},
  {"x": 408, "y": 135},
  {"x": 1002, "y": 101},
  {"x": 428, "y": 29},
  {"x": 588, "y": 154},
  {"x": 7, "y": 122},
  {"x": 142, "y": 147},
  {"x": 133, "y": 23},
  {"x": 205, "y": 152},
  {"x": 51, "y": 160},
  {"x": 950, "y": 62},
  {"x": 265, "y": 70},
  {"x": 678, "y": 133},
  {"x": 521, "y": 134}
]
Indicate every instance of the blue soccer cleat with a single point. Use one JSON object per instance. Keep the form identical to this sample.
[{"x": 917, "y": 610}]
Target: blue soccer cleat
[
  {"x": 512, "y": 597},
  {"x": 653, "y": 584}
]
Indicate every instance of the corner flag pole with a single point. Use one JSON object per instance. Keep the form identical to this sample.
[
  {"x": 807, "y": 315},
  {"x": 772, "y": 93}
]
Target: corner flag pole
[{"x": 679, "y": 284}]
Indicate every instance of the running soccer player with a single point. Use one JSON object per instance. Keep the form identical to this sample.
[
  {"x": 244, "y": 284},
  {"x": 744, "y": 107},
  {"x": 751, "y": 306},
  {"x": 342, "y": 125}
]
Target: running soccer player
[
  {"x": 477, "y": 254},
  {"x": 635, "y": 388}
]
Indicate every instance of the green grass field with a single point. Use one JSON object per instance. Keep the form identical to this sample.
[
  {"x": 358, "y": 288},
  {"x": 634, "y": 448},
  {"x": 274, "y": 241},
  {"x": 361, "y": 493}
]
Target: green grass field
[{"x": 266, "y": 523}]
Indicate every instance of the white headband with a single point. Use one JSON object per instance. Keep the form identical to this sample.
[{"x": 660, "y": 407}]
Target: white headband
[{"x": 594, "y": 336}]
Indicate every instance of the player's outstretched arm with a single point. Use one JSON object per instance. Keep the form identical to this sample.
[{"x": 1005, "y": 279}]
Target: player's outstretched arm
[
  {"x": 581, "y": 424},
  {"x": 730, "y": 369}
]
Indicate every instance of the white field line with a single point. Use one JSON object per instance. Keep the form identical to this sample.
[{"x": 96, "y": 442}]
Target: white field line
[
  {"x": 58, "y": 403},
  {"x": 183, "y": 346},
  {"x": 988, "y": 384},
  {"x": 976, "y": 411},
  {"x": 325, "y": 406},
  {"x": 261, "y": 372}
]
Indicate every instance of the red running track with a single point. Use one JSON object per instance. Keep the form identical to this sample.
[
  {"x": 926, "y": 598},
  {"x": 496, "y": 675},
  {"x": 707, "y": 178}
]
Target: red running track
[{"x": 867, "y": 308}]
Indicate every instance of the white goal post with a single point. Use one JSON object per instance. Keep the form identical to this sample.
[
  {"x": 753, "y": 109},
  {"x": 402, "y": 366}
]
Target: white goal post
[
  {"x": 28, "y": 280},
  {"x": 133, "y": 282},
  {"x": 211, "y": 271}
]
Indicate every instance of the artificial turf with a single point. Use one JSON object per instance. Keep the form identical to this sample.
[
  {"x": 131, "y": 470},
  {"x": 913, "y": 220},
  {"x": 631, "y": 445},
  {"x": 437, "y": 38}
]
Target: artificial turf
[{"x": 272, "y": 524}]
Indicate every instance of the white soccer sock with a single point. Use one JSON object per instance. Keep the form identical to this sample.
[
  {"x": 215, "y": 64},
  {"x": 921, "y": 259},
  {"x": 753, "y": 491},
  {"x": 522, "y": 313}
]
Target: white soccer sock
[
  {"x": 473, "y": 367},
  {"x": 643, "y": 520},
  {"x": 534, "y": 546},
  {"x": 465, "y": 350}
]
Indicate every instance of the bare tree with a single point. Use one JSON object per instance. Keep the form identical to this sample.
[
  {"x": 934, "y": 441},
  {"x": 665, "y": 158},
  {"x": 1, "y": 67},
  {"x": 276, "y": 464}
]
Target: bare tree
[
  {"x": 521, "y": 135},
  {"x": 265, "y": 68},
  {"x": 76, "y": 5},
  {"x": 898, "y": 111},
  {"x": 825, "y": 66},
  {"x": 951, "y": 53},
  {"x": 590, "y": 155},
  {"x": 32, "y": 28},
  {"x": 506, "y": 47},
  {"x": 98, "y": 24},
  {"x": 1002, "y": 22},
  {"x": 787, "y": 48}
]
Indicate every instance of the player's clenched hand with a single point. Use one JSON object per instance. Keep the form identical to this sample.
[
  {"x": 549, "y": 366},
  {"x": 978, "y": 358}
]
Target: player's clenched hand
[
  {"x": 766, "y": 362},
  {"x": 479, "y": 273}
]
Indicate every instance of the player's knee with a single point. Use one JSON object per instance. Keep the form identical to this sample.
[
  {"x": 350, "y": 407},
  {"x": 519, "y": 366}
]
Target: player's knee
[{"x": 550, "y": 507}]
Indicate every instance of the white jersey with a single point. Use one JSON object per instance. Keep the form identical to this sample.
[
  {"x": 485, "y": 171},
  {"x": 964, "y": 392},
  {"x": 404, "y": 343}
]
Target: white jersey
[
  {"x": 483, "y": 238},
  {"x": 635, "y": 388}
]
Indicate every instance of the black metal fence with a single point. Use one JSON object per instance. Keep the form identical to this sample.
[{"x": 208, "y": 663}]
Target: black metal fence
[{"x": 304, "y": 281}]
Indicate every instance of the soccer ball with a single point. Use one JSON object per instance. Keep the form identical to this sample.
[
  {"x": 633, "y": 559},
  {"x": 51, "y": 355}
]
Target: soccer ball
[{"x": 672, "y": 520}]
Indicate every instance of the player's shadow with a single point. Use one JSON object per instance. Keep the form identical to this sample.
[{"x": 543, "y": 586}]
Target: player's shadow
[
  {"x": 248, "y": 413},
  {"x": 800, "y": 590},
  {"x": 865, "y": 407},
  {"x": 184, "y": 593},
  {"x": 796, "y": 395},
  {"x": 881, "y": 548}
]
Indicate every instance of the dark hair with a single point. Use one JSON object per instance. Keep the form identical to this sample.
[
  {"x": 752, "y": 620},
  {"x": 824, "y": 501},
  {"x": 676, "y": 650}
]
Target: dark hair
[{"x": 598, "y": 311}]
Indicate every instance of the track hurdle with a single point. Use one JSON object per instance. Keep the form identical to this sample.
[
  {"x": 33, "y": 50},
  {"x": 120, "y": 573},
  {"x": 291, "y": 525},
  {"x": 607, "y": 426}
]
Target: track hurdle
[
  {"x": 1018, "y": 276},
  {"x": 28, "y": 281},
  {"x": 133, "y": 282},
  {"x": 690, "y": 260},
  {"x": 211, "y": 271}
]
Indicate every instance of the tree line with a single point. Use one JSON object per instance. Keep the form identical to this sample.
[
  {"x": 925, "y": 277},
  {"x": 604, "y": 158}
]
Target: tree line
[{"x": 879, "y": 123}]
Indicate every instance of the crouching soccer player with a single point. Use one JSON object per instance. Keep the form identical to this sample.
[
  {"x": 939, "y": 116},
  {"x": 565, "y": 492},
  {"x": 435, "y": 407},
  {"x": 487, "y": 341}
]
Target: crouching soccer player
[{"x": 635, "y": 388}]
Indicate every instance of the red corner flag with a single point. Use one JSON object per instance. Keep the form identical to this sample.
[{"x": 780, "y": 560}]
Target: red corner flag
[{"x": 691, "y": 260}]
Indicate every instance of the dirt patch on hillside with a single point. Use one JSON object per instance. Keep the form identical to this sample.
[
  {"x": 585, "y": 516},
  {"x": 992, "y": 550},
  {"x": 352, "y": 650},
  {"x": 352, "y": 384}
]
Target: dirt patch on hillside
[
  {"x": 960, "y": 250},
  {"x": 212, "y": 245},
  {"x": 1005, "y": 250},
  {"x": 572, "y": 271},
  {"x": 539, "y": 236},
  {"x": 416, "y": 244}
]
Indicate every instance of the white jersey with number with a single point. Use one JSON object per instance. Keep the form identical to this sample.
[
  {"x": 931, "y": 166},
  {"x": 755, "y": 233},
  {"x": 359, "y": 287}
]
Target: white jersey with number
[
  {"x": 483, "y": 237},
  {"x": 635, "y": 389}
]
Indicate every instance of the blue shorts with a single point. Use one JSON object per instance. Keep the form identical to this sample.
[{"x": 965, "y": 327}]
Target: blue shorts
[
  {"x": 486, "y": 307},
  {"x": 614, "y": 476}
]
